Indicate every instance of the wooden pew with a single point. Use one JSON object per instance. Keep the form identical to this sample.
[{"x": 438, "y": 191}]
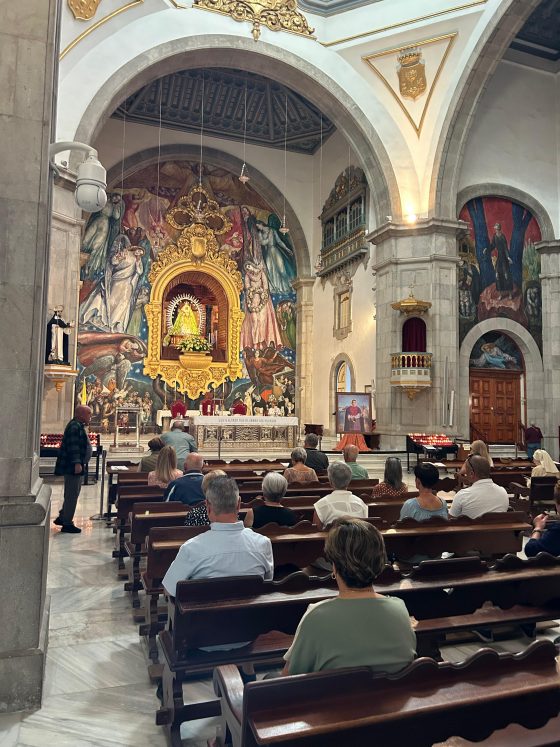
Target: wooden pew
[
  {"x": 222, "y": 611},
  {"x": 432, "y": 701},
  {"x": 142, "y": 518},
  {"x": 113, "y": 475},
  {"x": 496, "y": 536},
  {"x": 126, "y": 498},
  {"x": 540, "y": 493},
  {"x": 161, "y": 549}
]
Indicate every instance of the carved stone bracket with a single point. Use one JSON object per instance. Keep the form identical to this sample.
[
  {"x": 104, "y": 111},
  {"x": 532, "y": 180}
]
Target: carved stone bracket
[{"x": 277, "y": 15}]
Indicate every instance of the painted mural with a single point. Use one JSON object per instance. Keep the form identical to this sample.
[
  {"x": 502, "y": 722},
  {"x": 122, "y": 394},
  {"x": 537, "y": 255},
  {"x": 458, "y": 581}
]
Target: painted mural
[
  {"x": 119, "y": 246},
  {"x": 497, "y": 351},
  {"x": 500, "y": 267}
]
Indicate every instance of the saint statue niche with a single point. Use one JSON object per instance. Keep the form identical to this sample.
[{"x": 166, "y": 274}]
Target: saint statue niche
[
  {"x": 57, "y": 339},
  {"x": 185, "y": 323}
]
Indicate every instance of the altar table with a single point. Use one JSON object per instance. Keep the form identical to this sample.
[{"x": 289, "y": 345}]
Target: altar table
[{"x": 235, "y": 431}]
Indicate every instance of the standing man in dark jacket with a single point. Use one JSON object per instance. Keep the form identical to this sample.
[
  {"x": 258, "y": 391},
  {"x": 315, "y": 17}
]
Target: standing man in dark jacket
[{"x": 74, "y": 454}]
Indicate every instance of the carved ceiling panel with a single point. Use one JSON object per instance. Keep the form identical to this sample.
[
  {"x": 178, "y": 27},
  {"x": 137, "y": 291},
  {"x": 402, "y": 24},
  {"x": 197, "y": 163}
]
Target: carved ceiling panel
[{"x": 224, "y": 107}]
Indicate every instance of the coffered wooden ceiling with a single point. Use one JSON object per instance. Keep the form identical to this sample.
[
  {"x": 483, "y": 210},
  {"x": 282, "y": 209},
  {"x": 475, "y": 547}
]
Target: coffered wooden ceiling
[{"x": 224, "y": 107}]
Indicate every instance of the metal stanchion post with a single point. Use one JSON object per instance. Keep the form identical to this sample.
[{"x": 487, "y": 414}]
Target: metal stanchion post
[{"x": 99, "y": 516}]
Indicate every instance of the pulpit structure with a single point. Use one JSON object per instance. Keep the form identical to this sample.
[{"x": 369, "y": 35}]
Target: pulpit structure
[{"x": 194, "y": 315}]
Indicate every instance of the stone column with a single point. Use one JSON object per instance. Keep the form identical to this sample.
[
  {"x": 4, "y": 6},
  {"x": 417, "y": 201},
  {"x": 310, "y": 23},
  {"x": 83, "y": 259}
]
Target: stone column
[
  {"x": 423, "y": 255},
  {"x": 304, "y": 348},
  {"x": 549, "y": 252},
  {"x": 64, "y": 280},
  {"x": 28, "y": 60}
]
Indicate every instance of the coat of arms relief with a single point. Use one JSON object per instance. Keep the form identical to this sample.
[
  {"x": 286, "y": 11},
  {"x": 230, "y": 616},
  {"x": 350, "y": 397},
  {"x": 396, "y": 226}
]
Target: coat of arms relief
[
  {"x": 84, "y": 10},
  {"x": 412, "y": 74}
]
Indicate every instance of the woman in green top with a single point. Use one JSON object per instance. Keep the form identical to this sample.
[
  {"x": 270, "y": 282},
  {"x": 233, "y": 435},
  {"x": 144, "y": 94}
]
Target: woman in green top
[{"x": 359, "y": 627}]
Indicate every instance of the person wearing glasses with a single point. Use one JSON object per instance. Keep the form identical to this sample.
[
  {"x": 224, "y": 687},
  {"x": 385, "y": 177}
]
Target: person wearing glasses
[{"x": 482, "y": 496}]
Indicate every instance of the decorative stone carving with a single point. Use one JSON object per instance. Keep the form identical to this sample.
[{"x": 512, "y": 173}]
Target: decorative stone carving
[{"x": 277, "y": 15}]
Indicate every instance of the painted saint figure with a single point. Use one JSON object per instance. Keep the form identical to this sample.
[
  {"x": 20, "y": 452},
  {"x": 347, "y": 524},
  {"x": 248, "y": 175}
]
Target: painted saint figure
[
  {"x": 353, "y": 418},
  {"x": 260, "y": 327},
  {"x": 100, "y": 233},
  {"x": 278, "y": 256},
  {"x": 503, "y": 262}
]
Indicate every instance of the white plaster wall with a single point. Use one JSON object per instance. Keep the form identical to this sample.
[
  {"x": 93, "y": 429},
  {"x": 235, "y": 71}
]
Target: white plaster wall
[
  {"x": 269, "y": 161},
  {"x": 515, "y": 138},
  {"x": 359, "y": 346}
]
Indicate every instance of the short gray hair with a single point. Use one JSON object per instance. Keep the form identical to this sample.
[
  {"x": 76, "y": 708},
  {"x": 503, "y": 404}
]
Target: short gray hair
[
  {"x": 178, "y": 425},
  {"x": 274, "y": 486},
  {"x": 311, "y": 440},
  {"x": 210, "y": 477},
  {"x": 299, "y": 454},
  {"x": 340, "y": 475},
  {"x": 223, "y": 495}
]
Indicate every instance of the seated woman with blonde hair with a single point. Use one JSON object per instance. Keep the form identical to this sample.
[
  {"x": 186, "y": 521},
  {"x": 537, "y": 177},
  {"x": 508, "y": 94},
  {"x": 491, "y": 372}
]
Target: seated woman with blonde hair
[
  {"x": 381, "y": 630},
  {"x": 480, "y": 448},
  {"x": 166, "y": 468},
  {"x": 544, "y": 465}
]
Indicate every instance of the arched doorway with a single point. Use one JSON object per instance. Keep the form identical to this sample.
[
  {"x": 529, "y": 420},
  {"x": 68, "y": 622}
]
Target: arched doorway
[{"x": 496, "y": 389}]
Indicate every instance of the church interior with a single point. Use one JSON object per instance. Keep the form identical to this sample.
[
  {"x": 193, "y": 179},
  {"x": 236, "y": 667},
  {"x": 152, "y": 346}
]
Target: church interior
[{"x": 312, "y": 246}]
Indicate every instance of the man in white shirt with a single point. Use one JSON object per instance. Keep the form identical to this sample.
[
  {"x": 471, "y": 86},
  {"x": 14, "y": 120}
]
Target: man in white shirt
[
  {"x": 227, "y": 548},
  {"x": 341, "y": 502},
  {"x": 483, "y": 496}
]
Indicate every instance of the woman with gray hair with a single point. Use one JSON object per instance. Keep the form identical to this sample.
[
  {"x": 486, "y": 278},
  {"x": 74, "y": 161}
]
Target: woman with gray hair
[
  {"x": 274, "y": 488},
  {"x": 298, "y": 472}
]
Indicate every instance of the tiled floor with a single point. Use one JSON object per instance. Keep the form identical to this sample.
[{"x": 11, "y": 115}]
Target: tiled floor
[{"x": 97, "y": 692}]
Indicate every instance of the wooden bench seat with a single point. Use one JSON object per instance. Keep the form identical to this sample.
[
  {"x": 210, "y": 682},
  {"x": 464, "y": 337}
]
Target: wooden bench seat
[
  {"x": 127, "y": 497},
  {"x": 516, "y": 736},
  {"x": 142, "y": 518},
  {"x": 432, "y": 701}
]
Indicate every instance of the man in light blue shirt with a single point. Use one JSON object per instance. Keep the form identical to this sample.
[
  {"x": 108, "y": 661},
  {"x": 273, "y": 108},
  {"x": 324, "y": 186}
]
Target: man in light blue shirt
[
  {"x": 182, "y": 442},
  {"x": 227, "y": 549}
]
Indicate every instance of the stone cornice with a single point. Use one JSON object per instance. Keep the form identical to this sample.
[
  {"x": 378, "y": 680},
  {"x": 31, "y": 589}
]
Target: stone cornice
[
  {"x": 548, "y": 246},
  {"x": 391, "y": 230},
  {"x": 442, "y": 258}
]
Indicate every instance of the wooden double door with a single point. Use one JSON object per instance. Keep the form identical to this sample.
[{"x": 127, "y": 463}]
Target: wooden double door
[{"x": 495, "y": 406}]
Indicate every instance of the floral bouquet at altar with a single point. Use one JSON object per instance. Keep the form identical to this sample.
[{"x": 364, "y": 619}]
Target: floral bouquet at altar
[{"x": 194, "y": 344}]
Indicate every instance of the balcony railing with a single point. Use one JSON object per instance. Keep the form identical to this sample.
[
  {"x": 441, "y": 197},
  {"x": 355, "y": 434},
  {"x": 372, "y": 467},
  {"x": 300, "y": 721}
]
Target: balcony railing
[{"x": 411, "y": 372}]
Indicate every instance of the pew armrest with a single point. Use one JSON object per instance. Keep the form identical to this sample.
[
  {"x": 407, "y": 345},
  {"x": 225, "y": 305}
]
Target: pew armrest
[{"x": 228, "y": 686}]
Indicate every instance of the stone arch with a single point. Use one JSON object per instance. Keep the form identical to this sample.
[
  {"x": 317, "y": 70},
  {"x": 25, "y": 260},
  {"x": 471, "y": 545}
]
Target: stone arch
[
  {"x": 510, "y": 193},
  {"x": 280, "y": 64},
  {"x": 218, "y": 158},
  {"x": 534, "y": 371},
  {"x": 500, "y": 30},
  {"x": 340, "y": 358}
]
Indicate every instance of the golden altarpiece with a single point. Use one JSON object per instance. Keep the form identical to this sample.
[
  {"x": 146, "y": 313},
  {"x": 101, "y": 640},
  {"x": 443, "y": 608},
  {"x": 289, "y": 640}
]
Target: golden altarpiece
[{"x": 194, "y": 301}]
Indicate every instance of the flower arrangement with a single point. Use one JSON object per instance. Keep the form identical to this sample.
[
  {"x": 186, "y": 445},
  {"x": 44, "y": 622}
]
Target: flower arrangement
[{"x": 194, "y": 344}]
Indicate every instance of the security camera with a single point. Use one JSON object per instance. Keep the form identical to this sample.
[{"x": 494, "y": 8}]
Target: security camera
[
  {"x": 91, "y": 178},
  {"x": 91, "y": 185}
]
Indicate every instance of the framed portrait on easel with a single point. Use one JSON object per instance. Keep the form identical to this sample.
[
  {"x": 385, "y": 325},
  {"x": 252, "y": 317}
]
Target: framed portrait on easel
[{"x": 353, "y": 412}]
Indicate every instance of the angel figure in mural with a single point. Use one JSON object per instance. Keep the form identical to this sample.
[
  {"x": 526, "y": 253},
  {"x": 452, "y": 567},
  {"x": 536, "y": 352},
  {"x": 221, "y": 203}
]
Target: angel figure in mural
[
  {"x": 101, "y": 231},
  {"x": 259, "y": 325},
  {"x": 112, "y": 302},
  {"x": 185, "y": 323},
  {"x": 278, "y": 255},
  {"x": 492, "y": 356}
]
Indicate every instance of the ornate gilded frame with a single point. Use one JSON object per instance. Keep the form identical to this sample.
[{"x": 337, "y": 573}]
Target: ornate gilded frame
[{"x": 196, "y": 250}]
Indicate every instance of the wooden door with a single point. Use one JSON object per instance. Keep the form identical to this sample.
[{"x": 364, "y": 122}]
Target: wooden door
[{"x": 495, "y": 406}]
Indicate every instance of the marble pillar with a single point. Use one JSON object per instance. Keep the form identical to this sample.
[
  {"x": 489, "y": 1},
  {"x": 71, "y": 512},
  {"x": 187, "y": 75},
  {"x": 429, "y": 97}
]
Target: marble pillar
[
  {"x": 304, "y": 348},
  {"x": 549, "y": 252},
  {"x": 27, "y": 63},
  {"x": 424, "y": 256},
  {"x": 64, "y": 280}
]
